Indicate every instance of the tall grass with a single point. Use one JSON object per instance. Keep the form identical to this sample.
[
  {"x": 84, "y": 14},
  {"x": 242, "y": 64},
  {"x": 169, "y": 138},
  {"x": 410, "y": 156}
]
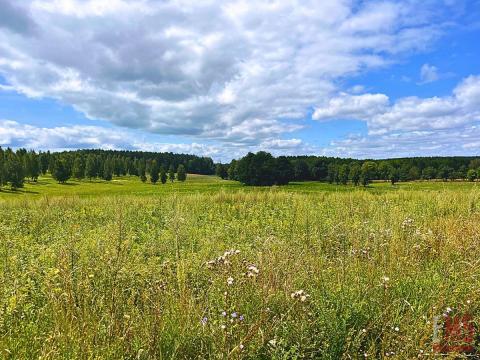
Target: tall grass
[{"x": 215, "y": 275}]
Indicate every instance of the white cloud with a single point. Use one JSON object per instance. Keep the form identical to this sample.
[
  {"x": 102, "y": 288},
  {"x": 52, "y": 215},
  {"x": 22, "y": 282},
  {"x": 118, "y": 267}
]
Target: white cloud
[
  {"x": 16, "y": 135},
  {"x": 410, "y": 113},
  {"x": 352, "y": 107},
  {"x": 235, "y": 71},
  {"x": 461, "y": 141},
  {"x": 428, "y": 74}
]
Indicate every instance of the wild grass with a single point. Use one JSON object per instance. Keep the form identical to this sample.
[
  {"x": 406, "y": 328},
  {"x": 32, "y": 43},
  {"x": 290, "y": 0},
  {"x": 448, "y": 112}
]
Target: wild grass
[{"x": 211, "y": 275}]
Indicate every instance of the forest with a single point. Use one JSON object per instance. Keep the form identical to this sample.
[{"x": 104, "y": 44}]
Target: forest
[
  {"x": 264, "y": 169},
  {"x": 21, "y": 165},
  {"x": 260, "y": 169}
]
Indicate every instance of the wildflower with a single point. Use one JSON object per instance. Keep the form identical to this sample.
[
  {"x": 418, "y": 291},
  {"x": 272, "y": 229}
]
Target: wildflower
[
  {"x": 204, "y": 321},
  {"x": 230, "y": 281},
  {"x": 300, "y": 295},
  {"x": 224, "y": 313},
  {"x": 222, "y": 259},
  {"x": 252, "y": 271},
  {"x": 241, "y": 346},
  {"x": 364, "y": 331},
  {"x": 397, "y": 329},
  {"x": 273, "y": 342},
  {"x": 241, "y": 318},
  {"x": 223, "y": 327},
  {"x": 408, "y": 222},
  {"x": 234, "y": 315},
  {"x": 385, "y": 280}
]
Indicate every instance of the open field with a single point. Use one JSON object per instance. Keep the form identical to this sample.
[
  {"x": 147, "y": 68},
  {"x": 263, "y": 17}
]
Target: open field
[
  {"x": 131, "y": 185},
  {"x": 97, "y": 275}
]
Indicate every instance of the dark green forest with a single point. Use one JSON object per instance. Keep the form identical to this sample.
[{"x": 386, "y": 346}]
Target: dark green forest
[
  {"x": 260, "y": 169},
  {"x": 21, "y": 165},
  {"x": 264, "y": 169}
]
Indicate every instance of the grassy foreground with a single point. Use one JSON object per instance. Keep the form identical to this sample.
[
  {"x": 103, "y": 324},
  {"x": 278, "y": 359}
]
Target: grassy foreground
[{"x": 236, "y": 274}]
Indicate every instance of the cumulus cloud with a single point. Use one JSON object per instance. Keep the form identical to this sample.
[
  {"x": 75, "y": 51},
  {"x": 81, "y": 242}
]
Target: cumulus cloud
[
  {"x": 461, "y": 141},
  {"x": 352, "y": 107},
  {"x": 234, "y": 71},
  {"x": 410, "y": 113},
  {"x": 14, "y": 134}
]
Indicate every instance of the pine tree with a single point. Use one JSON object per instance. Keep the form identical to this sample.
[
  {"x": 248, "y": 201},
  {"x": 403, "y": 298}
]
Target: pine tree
[
  {"x": 232, "y": 170},
  {"x": 61, "y": 171},
  {"x": 163, "y": 175},
  {"x": 90, "y": 167},
  {"x": 44, "y": 160},
  {"x": 51, "y": 164},
  {"x": 78, "y": 170},
  {"x": 32, "y": 165},
  {"x": 142, "y": 170},
  {"x": 154, "y": 170},
  {"x": 117, "y": 165},
  {"x": 99, "y": 165},
  {"x": 171, "y": 173},
  {"x": 2, "y": 168},
  {"x": 108, "y": 166},
  {"x": 181, "y": 173},
  {"x": 14, "y": 172},
  {"x": 35, "y": 166}
]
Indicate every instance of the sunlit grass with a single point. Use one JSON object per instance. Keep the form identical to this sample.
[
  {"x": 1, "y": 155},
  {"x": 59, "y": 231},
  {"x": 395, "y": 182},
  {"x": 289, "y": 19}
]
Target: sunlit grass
[
  {"x": 211, "y": 273},
  {"x": 131, "y": 185}
]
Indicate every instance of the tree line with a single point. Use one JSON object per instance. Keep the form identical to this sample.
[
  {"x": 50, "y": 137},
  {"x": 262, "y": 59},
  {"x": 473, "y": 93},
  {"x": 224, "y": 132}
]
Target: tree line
[
  {"x": 262, "y": 169},
  {"x": 18, "y": 166}
]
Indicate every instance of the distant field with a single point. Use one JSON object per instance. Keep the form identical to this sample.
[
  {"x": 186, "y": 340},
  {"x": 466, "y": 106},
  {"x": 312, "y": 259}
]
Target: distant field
[
  {"x": 212, "y": 269},
  {"x": 131, "y": 185}
]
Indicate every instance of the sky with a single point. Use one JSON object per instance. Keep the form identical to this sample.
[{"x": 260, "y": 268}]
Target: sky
[{"x": 220, "y": 78}]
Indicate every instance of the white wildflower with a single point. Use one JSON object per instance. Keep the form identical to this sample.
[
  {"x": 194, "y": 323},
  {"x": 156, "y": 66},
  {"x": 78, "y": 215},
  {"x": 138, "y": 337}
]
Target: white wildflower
[{"x": 300, "y": 295}]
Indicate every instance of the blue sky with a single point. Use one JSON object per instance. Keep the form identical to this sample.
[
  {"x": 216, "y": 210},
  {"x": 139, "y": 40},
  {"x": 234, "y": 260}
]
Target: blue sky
[{"x": 364, "y": 79}]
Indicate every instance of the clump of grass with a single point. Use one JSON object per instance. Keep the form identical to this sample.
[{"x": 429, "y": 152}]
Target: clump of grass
[{"x": 268, "y": 274}]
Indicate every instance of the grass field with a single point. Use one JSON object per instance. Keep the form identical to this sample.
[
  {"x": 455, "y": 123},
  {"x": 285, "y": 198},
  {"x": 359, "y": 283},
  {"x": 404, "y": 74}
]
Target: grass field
[
  {"x": 132, "y": 186},
  {"x": 211, "y": 269}
]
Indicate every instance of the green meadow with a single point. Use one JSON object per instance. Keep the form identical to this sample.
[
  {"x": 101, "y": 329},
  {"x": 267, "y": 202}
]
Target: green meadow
[
  {"x": 131, "y": 185},
  {"x": 212, "y": 269}
]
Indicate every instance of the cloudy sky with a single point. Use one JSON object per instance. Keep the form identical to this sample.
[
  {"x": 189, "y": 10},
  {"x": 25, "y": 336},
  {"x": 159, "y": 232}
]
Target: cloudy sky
[{"x": 220, "y": 78}]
